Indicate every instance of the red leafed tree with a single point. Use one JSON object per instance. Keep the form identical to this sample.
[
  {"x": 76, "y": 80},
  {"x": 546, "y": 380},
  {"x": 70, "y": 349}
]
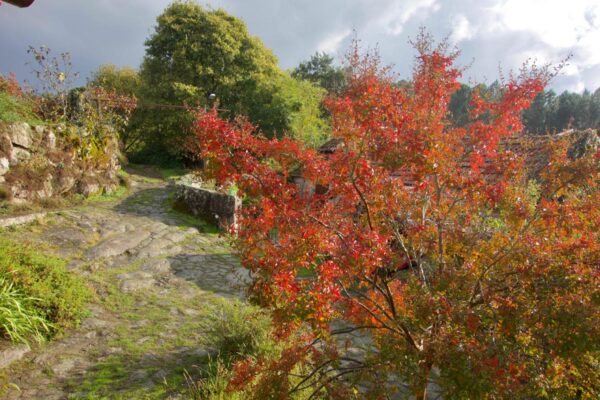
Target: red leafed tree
[{"x": 458, "y": 260}]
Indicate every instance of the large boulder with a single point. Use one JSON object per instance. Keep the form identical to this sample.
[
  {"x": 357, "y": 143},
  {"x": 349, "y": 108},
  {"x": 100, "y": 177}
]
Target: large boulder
[
  {"x": 64, "y": 184},
  {"x": 20, "y": 134},
  {"x": 23, "y": 192},
  {"x": 47, "y": 189},
  {"x": 19, "y": 155}
]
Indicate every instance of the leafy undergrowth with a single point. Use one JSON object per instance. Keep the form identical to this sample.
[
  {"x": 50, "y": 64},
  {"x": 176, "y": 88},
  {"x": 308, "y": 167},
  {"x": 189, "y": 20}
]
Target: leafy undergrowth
[{"x": 39, "y": 298}]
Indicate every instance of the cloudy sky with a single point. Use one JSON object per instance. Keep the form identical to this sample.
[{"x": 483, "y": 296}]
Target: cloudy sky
[{"x": 490, "y": 33}]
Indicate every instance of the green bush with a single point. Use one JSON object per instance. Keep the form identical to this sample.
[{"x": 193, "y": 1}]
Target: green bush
[
  {"x": 44, "y": 286},
  {"x": 15, "y": 104}
]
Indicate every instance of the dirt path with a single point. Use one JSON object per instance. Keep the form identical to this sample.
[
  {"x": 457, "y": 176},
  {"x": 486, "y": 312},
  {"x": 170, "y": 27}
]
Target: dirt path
[{"x": 160, "y": 283}]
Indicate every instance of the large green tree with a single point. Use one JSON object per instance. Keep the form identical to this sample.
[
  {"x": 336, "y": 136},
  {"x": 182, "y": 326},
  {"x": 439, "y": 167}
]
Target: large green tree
[{"x": 195, "y": 52}]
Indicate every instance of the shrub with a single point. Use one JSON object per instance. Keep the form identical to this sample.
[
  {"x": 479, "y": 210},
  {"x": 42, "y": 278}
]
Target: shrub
[
  {"x": 44, "y": 285},
  {"x": 241, "y": 331},
  {"x": 213, "y": 386},
  {"x": 238, "y": 331}
]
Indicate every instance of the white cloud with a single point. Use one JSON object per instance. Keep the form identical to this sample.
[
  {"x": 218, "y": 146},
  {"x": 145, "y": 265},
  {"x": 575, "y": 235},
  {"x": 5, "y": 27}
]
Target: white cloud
[
  {"x": 331, "y": 44},
  {"x": 559, "y": 23},
  {"x": 461, "y": 29},
  {"x": 398, "y": 13}
]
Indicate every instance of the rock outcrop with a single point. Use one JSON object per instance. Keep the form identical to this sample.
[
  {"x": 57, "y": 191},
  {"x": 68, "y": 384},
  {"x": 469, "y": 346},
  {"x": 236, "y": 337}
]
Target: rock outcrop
[{"x": 37, "y": 163}]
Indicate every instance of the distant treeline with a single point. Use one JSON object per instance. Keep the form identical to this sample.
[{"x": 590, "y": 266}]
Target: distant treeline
[{"x": 549, "y": 113}]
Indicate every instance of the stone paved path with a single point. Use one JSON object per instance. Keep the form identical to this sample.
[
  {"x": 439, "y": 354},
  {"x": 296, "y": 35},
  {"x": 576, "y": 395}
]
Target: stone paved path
[{"x": 159, "y": 283}]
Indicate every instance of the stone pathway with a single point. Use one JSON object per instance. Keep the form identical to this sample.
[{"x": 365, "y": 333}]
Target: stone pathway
[{"x": 159, "y": 282}]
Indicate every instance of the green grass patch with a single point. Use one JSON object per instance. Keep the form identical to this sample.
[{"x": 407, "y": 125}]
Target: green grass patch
[
  {"x": 44, "y": 287},
  {"x": 108, "y": 197},
  {"x": 14, "y": 109},
  {"x": 172, "y": 172}
]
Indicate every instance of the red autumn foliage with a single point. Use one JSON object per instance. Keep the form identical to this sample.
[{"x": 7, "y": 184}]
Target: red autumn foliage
[
  {"x": 11, "y": 85},
  {"x": 438, "y": 246}
]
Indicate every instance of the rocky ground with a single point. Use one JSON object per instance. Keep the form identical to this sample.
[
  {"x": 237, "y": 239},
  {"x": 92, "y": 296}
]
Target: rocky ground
[{"x": 160, "y": 280}]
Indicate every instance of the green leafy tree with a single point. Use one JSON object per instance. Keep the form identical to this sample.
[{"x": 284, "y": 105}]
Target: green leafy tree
[
  {"x": 319, "y": 69},
  {"x": 195, "y": 52},
  {"x": 459, "y": 105},
  {"x": 119, "y": 89},
  {"x": 123, "y": 81},
  {"x": 303, "y": 99},
  {"x": 537, "y": 118}
]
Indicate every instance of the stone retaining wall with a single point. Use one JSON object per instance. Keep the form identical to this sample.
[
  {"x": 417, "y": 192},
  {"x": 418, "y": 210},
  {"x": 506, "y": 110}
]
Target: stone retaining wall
[
  {"x": 36, "y": 163},
  {"x": 212, "y": 206}
]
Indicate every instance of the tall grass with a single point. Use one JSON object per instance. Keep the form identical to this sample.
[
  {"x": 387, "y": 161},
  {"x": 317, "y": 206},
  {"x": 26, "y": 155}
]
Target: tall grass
[{"x": 19, "y": 317}]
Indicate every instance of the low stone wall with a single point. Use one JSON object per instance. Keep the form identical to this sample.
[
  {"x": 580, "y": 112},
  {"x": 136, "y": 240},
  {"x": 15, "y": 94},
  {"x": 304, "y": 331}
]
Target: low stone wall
[{"x": 212, "y": 206}]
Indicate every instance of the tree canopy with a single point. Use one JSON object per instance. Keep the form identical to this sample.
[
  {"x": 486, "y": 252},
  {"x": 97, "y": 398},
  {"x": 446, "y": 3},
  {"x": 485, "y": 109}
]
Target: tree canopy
[
  {"x": 195, "y": 52},
  {"x": 320, "y": 69},
  {"x": 122, "y": 80},
  {"x": 549, "y": 113}
]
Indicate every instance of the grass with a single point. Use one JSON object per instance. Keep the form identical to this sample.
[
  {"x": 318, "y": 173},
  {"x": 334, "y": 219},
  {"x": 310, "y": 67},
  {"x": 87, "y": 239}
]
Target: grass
[
  {"x": 161, "y": 323},
  {"x": 157, "y": 173},
  {"x": 108, "y": 197},
  {"x": 172, "y": 172},
  {"x": 40, "y": 297},
  {"x": 13, "y": 109}
]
